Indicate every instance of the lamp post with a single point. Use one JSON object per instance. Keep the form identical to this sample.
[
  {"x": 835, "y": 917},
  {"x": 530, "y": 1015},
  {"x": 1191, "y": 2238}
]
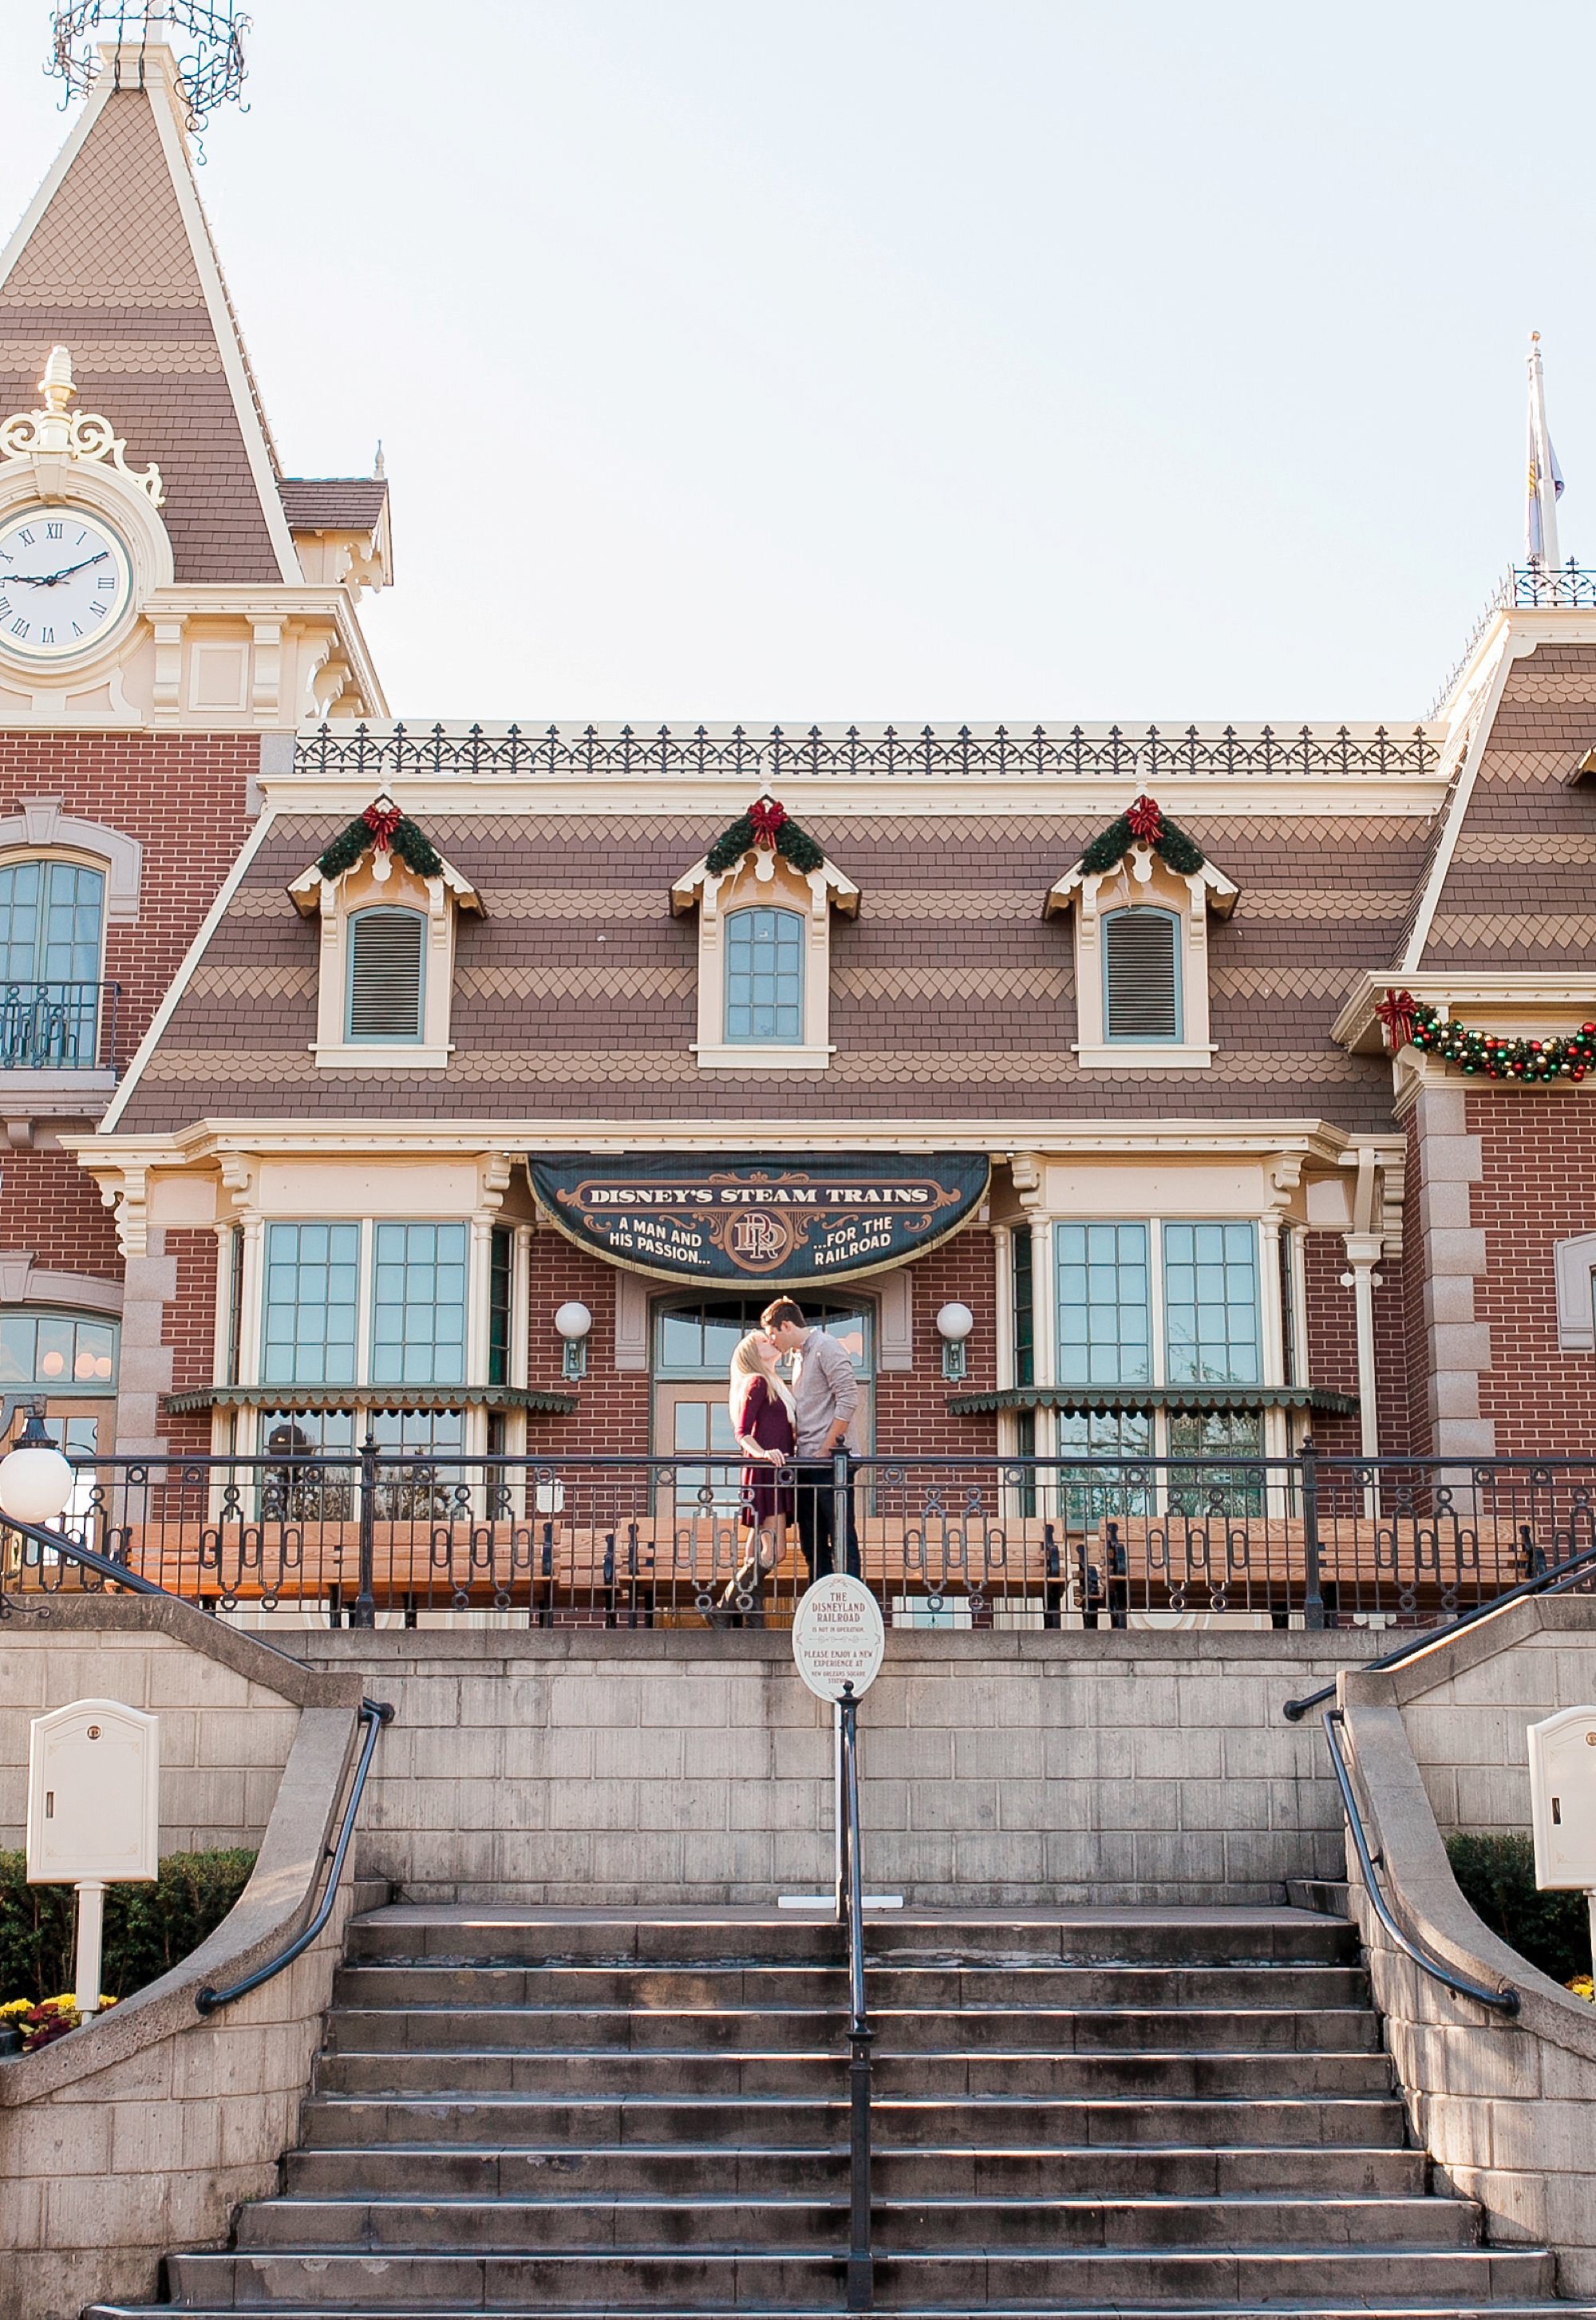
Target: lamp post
[
  {"x": 953, "y": 1324},
  {"x": 574, "y": 1321}
]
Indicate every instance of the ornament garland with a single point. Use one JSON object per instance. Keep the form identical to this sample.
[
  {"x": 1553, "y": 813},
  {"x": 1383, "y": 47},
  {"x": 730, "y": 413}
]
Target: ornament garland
[
  {"x": 766, "y": 824},
  {"x": 1143, "y": 822},
  {"x": 384, "y": 826},
  {"x": 1409, "y": 1021}
]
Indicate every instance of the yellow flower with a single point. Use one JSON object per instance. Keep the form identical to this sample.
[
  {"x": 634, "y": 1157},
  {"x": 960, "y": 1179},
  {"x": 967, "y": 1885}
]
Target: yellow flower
[
  {"x": 1582, "y": 1986},
  {"x": 16, "y": 2006}
]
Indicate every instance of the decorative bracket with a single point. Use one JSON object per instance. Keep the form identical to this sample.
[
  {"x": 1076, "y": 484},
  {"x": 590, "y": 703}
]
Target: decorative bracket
[{"x": 55, "y": 436}]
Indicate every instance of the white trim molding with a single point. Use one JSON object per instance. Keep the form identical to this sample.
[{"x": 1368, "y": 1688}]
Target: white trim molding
[
  {"x": 1575, "y": 1262},
  {"x": 42, "y": 827},
  {"x": 762, "y": 878}
]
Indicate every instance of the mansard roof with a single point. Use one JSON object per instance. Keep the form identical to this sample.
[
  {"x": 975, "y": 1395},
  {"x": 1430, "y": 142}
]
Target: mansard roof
[
  {"x": 115, "y": 261},
  {"x": 952, "y": 997}
]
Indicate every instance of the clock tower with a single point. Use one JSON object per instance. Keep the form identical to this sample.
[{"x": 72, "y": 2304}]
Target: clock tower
[{"x": 172, "y": 608}]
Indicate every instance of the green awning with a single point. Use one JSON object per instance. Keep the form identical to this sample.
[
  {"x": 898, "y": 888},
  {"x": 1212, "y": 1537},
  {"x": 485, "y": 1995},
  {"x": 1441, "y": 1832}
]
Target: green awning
[
  {"x": 1091, "y": 1399},
  {"x": 387, "y": 1398}
]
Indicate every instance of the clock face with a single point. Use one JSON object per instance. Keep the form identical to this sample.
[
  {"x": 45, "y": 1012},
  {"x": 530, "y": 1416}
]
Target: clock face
[{"x": 65, "y": 579}]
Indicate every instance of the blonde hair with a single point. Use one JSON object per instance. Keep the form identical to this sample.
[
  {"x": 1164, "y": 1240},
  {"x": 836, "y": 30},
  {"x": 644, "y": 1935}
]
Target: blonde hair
[{"x": 746, "y": 1366}]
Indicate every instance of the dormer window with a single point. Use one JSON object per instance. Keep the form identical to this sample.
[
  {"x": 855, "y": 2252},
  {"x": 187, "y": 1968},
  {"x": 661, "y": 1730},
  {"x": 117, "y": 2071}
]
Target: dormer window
[
  {"x": 387, "y": 954},
  {"x": 388, "y": 903},
  {"x": 1141, "y": 897},
  {"x": 764, "y": 894},
  {"x": 1141, "y": 975}
]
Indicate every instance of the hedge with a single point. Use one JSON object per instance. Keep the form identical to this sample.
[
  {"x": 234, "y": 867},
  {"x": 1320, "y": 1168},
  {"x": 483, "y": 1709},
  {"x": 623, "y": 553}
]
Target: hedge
[
  {"x": 1496, "y": 1876},
  {"x": 149, "y": 1927}
]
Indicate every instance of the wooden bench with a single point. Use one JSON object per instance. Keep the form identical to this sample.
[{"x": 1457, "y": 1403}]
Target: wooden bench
[{"x": 1405, "y": 1562}]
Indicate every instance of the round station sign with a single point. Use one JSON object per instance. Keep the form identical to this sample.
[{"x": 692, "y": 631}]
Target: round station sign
[{"x": 838, "y": 1637}]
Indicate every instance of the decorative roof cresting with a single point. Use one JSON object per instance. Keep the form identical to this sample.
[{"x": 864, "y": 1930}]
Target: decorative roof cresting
[{"x": 53, "y": 431}]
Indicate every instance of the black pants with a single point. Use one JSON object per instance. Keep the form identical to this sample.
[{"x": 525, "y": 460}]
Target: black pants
[{"x": 817, "y": 1518}]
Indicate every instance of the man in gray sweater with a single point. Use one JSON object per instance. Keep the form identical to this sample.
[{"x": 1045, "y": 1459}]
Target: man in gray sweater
[{"x": 825, "y": 1396}]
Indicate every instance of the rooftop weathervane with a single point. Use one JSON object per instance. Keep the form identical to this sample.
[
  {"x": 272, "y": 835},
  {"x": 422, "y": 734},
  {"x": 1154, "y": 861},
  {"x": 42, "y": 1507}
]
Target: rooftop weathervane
[{"x": 207, "y": 36}]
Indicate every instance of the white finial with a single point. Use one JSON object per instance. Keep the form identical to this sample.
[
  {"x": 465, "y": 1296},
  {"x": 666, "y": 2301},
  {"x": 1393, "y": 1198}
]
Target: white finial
[
  {"x": 56, "y": 385},
  {"x": 380, "y": 468}
]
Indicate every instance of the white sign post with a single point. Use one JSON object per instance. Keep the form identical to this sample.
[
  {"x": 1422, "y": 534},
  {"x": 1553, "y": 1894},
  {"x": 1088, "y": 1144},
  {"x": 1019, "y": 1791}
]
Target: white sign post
[
  {"x": 838, "y": 1642},
  {"x": 93, "y": 1813},
  {"x": 1563, "y": 1805}
]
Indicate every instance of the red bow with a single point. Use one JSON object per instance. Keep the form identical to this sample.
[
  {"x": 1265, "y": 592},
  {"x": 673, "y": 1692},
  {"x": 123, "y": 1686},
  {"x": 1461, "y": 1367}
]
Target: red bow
[
  {"x": 767, "y": 818},
  {"x": 1397, "y": 1012},
  {"x": 1145, "y": 820},
  {"x": 382, "y": 821}
]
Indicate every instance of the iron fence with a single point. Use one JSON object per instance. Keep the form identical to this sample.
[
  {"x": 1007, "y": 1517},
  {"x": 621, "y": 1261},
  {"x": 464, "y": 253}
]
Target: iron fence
[
  {"x": 377, "y": 1537},
  {"x": 64, "y": 1027},
  {"x": 1526, "y": 587},
  {"x": 1110, "y": 752}
]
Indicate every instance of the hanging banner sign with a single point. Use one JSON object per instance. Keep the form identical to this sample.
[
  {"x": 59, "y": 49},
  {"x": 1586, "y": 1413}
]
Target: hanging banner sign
[{"x": 790, "y": 1222}]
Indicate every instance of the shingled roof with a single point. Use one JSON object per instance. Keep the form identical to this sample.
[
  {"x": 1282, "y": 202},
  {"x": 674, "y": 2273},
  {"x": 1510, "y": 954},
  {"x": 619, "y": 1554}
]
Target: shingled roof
[
  {"x": 115, "y": 260},
  {"x": 333, "y": 502}
]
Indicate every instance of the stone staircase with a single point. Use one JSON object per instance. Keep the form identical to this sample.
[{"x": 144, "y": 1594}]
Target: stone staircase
[{"x": 1135, "y": 2112}]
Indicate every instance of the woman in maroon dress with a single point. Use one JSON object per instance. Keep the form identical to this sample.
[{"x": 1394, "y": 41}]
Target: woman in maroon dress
[{"x": 762, "y": 1419}]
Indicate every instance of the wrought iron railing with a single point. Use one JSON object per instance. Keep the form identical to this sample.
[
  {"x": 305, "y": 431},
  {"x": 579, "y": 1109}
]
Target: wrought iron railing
[
  {"x": 1528, "y": 587},
  {"x": 58, "y": 1026},
  {"x": 1077, "y": 751},
  {"x": 1015, "y": 1543}
]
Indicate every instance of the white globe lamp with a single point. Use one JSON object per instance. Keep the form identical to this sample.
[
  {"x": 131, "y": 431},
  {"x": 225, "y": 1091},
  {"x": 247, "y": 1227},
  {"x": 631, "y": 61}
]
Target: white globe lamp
[
  {"x": 953, "y": 1324},
  {"x": 35, "y": 1479},
  {"x": 572, "y": 1320}
]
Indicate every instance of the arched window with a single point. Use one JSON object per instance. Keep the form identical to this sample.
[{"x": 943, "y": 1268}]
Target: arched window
[
  {"x": 1141, "y": 977},
  {"x": 764, "y": 977},
  {"x": 387, "y": 976},
  {"x": 51, "y": 917},
  {"x": 57, "y": 1352}
]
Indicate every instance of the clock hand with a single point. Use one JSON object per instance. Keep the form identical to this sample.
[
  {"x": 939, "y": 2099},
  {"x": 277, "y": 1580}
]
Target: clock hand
[{"x": 53, "y": 579}]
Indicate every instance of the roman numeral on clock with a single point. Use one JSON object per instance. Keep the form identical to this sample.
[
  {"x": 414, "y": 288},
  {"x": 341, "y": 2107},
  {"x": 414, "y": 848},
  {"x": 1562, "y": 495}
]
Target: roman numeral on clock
[{"x": 54, "y": 531}]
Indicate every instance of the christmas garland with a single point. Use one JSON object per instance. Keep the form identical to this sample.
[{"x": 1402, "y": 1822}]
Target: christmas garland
[
  {"x": 767, "y": 823},
  {"x": 1143, "y": 822},
  {"x": 1409, "y": 1021},
  {"x": 381, "y": 825}
]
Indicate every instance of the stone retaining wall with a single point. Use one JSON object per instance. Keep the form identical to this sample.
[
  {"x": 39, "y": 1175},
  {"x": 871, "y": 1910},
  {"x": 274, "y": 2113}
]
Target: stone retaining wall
[{"x": 595, "y": 1767}]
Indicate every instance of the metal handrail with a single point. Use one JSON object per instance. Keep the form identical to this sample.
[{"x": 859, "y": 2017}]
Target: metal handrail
[
  {"x": 1506, "y": 1999},
  {"x": 373, "y": 1714},
  {"x": 861, "y": 2268},
  {"x": 1545, "y": 1582}
]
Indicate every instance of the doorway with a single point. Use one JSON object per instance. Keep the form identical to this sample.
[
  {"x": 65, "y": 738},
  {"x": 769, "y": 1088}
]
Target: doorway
[{"x": 693, "y": 1339}]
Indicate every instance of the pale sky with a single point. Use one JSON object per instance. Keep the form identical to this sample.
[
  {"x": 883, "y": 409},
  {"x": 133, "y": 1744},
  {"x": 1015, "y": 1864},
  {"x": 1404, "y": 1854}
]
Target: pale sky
[{"x": 937, "y": 360}]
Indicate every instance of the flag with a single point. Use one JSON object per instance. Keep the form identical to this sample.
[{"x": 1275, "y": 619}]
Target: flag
[{"x": 1543, "y": 476}]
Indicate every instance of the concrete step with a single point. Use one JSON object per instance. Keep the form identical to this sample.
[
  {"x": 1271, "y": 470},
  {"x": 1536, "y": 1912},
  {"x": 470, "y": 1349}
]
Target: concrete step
[
  {"x": 704, "y": 2222},
  {"x": 1374, "y": 2306},
  {"x": 463, "y": 2074},
  {"x": 484, "y": 1934},
  {"x": 633, "y": 2169},
  {"x": 659, "y": 1989},
  {"x": 993, "y": 2123},
  {"x": 972, "y": 2280},
  {"x": 1283, "y": 2029}
]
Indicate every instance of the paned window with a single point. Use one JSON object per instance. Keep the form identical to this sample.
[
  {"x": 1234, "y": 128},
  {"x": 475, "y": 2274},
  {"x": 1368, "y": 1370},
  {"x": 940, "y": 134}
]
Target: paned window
[
  {"x": 1141, "y": 978},
  {"x": 313, "y": 1281},
  {"x": 764, "y": 977},
  {"x": 1025, "y": 1311},
  {"x": 500, "y": 1291},
  {"x": 1104, "y": 1337},
  {"x": 1210, "y": 1304},
  {"x": 387, "y": 976},
  {"x": 1224, "y": 1434},
  {"x": 697, "y": 1338},
  {"x": 51, "y": 918},
  {"x": 418, "y": 1307},
  {"x": 55, "y": 1352},
  {"x": 1106, "y": 1434}
]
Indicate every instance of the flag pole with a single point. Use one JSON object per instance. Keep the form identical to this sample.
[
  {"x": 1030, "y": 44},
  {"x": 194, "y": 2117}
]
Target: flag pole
[{"x": 1541, "y": 509}]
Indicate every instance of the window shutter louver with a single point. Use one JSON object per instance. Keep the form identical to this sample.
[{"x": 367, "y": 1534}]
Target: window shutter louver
[
  {"x": 386, "y": 950},
  {"x": 1141, "y": 975}
]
